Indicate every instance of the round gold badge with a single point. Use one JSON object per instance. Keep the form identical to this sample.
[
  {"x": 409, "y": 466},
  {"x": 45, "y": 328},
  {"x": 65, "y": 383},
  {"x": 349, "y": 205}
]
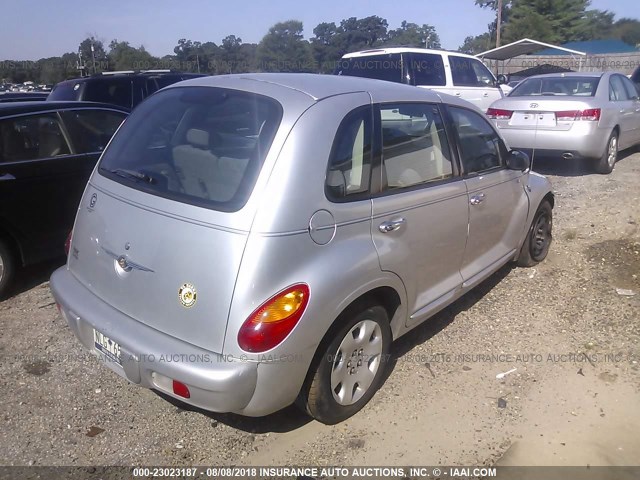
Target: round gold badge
[{"x": 187, "y": 295}]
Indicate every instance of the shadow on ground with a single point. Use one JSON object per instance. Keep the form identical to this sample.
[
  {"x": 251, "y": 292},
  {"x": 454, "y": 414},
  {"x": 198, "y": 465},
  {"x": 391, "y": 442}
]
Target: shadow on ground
[
  {"x": 572, "y": 168},
  {"x": 33, "y": 275}
]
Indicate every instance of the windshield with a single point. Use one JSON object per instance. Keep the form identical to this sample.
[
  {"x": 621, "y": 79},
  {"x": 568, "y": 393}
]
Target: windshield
[
  {"x": 572, "y": 86},
  {"x": 199, "y": 145}
]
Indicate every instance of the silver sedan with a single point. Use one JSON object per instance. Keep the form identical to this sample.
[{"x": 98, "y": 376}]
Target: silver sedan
[{"x": 571, "y": 115}]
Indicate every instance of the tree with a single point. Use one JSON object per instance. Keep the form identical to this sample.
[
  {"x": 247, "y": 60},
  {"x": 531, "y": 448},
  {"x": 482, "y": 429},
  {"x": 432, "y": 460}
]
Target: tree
[
  {"x": 478, "y": 44},
  {"x": 284, "y": 49},
  {"x": 324, "y": 47},
  {"x": 123, "y": 56},
  {"x": 627, "y": 30},
  {"x": 96, "y": 60},
  {"x": 410, "y": 34}
]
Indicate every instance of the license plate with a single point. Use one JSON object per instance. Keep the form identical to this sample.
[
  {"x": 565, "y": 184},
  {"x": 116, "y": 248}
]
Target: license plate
[
  {"x": 531, "y": 119},
  {"x": 106, "y": 346}
]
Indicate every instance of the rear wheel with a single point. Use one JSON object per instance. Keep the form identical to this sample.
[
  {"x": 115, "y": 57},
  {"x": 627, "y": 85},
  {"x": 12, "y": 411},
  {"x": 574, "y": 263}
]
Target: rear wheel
[
  {"x": 351, "y": 368},
  {"x": 536, "y": 245},
  {"x": 609, "y": 157},
  {"x": 7, "y": 268}
]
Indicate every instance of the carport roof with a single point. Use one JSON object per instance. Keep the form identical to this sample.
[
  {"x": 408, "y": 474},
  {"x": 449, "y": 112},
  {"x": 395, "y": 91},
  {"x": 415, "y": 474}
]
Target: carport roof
[{"x": 522, "y": 47}]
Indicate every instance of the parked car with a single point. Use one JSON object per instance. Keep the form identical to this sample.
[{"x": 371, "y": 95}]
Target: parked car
[
  {"x": 23, "y": 97},
  {"x": 453, "y": 73},
  {"x": 47, "y": 152},
  {"x": 271, "y": 234},
  {"x": 571, "y": 115},
  {"x": 635, "y": 78},
  {"x": 126, "y": 89}
]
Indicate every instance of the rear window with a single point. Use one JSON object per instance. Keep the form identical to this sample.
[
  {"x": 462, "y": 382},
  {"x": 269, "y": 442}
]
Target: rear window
[
  {"x": 379, "y": 67},
  {"x": 66, "y": 91},
  {"x": 571, "y": 86},
  {"x": 198, "y": 145}
]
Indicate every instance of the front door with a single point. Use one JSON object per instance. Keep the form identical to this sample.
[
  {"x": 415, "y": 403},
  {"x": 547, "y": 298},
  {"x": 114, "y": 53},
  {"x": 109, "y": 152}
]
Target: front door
[
  {"x": 420, "y": 219},
  {"x": 498, "y": 204}
]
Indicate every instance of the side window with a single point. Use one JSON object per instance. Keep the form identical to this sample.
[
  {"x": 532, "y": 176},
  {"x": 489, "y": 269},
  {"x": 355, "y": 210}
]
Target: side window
[
  {"x": 109, "y": 90},
  {"x": 632, "y": 91},
  {"x": 414, "y": 145},
  {"x": 349, "y": 169},
  {"x": 462, "y": 71},
  {"x": 617, "y": 92},
  {"x": 480, "y": 145},
  {"x": 428, "y": 69},
  {"x": 484, "y": 77},
  {"x": 31, "y": 138},
  {"x": 91, "y": 130}
]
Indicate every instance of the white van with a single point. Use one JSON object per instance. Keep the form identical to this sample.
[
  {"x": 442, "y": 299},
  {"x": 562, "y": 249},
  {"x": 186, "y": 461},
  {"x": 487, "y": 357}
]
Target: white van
[{"x": 454, "y": 73}]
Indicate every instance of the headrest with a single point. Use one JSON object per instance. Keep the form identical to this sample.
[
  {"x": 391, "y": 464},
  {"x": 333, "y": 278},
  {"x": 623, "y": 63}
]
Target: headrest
[{"x": 198, "y": 138}]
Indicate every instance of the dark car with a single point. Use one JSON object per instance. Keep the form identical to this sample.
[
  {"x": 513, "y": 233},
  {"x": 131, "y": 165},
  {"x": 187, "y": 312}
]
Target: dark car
[
  {"x": 47, "y": 152},
  {"x": 23, "y": 97},
  {"x": 635, "y": 78},
  {"x": 126, "y": 89}
]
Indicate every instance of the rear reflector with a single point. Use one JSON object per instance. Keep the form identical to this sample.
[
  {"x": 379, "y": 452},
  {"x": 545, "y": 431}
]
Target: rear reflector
[
  {"x": 590, "y": 115},
  {"x": 67, "y": 243},
  {"x": 499, "y": 114},
  {"x": 181, "y": 389}
]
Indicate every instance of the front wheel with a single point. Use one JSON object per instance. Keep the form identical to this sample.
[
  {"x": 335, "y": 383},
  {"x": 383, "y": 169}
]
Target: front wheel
[
  {"x": 609, "y": 157},
  {"x": 7, "y": 268},
  {"x": 351, "y": 368},
  {"x": 536, "y": 246}
]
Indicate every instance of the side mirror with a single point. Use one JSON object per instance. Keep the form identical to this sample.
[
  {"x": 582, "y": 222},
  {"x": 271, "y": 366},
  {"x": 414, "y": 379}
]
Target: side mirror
[
  {"x": 517, "y": 160},
  {"x": 502, "y": 79}
]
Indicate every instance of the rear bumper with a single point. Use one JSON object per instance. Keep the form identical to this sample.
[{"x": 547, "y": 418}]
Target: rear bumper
[
  {"x": 152, "y": 359},
  {"x": 583, "y": 140}
]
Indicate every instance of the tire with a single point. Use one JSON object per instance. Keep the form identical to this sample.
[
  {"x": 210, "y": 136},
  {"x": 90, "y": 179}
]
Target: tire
[
  {"x": 7, "y": 268},
  {"x": 607, "y": 161},
  {"x": 536, "y": 246},
  {"x": 357, "y": 354}
]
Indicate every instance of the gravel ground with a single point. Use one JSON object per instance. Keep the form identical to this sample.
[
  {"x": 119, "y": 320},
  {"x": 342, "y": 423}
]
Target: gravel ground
[{"x": 574, "y": 398}]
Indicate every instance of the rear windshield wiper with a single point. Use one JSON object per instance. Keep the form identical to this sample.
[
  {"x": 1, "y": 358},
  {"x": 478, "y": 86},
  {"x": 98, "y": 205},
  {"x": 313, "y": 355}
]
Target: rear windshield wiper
[{"x": 133, "y": 175}]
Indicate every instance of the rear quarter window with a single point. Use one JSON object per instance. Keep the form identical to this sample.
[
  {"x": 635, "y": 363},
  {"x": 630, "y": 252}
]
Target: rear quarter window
[
  {"x": 198, "y": 145},
  {"x": 387, "y": 67}
]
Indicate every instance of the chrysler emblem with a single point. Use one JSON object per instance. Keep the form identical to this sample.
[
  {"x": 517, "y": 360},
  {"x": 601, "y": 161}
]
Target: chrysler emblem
[
  {"x": 533, "y": 105},
  {"x": 124, "y": 262}
]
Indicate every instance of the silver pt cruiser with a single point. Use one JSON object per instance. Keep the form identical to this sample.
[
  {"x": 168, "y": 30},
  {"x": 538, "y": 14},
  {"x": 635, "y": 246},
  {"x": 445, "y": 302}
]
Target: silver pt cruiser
[{"x": 251, "y": 241}]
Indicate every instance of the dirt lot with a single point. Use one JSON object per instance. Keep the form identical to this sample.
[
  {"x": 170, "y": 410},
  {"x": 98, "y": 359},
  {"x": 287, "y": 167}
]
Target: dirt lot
[{"x": 573, "y": 400}]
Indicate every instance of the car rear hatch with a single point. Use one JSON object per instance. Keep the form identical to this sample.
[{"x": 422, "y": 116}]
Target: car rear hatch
[{"x": 161, "y": 228}]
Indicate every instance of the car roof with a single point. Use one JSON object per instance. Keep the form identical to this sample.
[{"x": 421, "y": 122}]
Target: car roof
[
  {"x": 384, "y": 51},
  {"x": 314, "y": 86},
  {"x": 130, "y": 74},
  {"x": 571, "y": 74},
  {"x": 15, "y": 108}
]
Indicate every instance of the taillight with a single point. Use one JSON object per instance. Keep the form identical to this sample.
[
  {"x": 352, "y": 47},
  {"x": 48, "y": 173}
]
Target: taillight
[
  {"x": 499, "y": 114},
  {"x": 567, "y": 115},
  {"x": 67, "y": 243},
  {"x": 590, "y": 115},
  {"x": 272, "y": 321}
]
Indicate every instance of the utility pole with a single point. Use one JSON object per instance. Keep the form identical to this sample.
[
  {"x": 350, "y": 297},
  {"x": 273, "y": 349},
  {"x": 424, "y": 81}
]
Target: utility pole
[
  {"x": 93, "y": 57},
  {"x": 498, "y": 23}
]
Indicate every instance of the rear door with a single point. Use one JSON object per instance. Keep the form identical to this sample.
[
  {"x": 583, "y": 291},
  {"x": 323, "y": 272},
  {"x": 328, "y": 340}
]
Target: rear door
[
  {"x": 625, "y": 109},
  {"x": 634, "y": 96},
  {"x": 39, "y": 187},
  {"x": 472, "y": 81},
  {"x": 420, "y": 219},
  {"x": 497, "y": 202}
]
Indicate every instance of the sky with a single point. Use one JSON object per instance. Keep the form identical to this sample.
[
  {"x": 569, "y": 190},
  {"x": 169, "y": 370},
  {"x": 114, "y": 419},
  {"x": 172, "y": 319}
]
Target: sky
[{"x": 41, "y": 31}]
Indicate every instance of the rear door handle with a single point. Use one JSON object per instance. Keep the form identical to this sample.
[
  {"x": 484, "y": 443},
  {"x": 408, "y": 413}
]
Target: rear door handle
[
  {"x": 485, "y": 94},
  {"x": 477, "y": 199},
  {"x": 392, "y": 225},
  {"x": 6, "y": 176}
]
